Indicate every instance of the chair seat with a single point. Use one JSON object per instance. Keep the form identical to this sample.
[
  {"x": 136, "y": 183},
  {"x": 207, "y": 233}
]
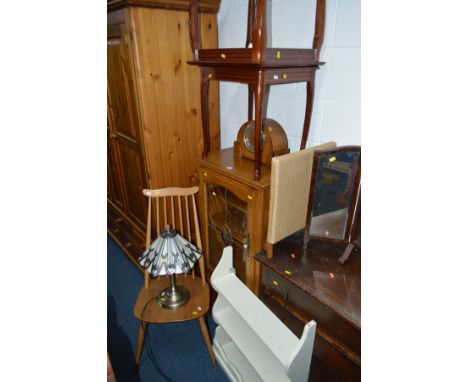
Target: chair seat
[{"x": 196, "y": 307}]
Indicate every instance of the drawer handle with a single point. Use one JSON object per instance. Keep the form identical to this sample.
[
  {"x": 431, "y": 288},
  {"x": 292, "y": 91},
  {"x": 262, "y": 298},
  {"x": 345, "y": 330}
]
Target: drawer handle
[{"x": 275, "y": 282}]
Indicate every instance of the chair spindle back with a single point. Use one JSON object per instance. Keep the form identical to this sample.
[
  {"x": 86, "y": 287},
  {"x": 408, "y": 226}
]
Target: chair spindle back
[{"x": 185, "y": 220}]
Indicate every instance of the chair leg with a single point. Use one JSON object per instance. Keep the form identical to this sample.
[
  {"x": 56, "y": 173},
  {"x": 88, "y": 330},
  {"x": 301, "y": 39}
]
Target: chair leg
[
  {"x": 206, "y": 337},
  {"x": 140, "y": 341}
]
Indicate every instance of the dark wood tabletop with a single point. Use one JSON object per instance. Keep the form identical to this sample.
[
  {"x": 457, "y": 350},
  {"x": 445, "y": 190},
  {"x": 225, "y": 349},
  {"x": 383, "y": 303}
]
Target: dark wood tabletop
[{"x": 319, "y": 274}]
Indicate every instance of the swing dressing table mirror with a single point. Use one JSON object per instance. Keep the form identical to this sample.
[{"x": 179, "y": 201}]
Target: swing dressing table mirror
[{"x": 333, "y": 211}]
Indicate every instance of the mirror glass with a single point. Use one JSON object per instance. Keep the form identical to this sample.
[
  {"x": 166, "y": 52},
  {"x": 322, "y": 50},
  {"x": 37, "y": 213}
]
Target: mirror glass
[{"x": 333, "y": 189}]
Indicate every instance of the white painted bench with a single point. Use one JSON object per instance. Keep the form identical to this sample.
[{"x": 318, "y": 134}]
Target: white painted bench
[{"x": 251, "y": 343}]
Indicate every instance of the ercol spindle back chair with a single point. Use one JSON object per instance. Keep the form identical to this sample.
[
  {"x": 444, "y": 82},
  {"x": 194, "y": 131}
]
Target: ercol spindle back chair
[{"x": 177, "y": 208}]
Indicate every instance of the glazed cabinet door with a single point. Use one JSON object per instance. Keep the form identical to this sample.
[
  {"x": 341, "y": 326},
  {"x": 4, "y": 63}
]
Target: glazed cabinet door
[
  {"x": 227, "y": 225},
  {"x": 226, "y": 219}
]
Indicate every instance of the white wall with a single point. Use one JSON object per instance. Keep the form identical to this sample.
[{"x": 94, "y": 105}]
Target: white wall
[{"x": 336, "y": 110}]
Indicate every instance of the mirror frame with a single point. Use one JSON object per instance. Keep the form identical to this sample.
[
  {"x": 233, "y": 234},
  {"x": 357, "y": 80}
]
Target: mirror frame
[{"x": 354, "y": 216}]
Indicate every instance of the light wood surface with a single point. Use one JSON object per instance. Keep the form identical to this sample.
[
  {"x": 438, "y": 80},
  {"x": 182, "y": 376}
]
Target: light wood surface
[
  {"x": 171, "y": 122},
  {"x": 171, "y": 191},
  {"x": 235, "y": 174},
  {"x": 209, "y": 6},
  {"x": 154, "y": 129},
  {"x": 196, "y": 307}
]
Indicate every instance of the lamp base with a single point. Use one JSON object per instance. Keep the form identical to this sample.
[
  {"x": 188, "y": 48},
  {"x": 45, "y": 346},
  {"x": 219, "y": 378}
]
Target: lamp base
[{"x": 173, "y": 297}]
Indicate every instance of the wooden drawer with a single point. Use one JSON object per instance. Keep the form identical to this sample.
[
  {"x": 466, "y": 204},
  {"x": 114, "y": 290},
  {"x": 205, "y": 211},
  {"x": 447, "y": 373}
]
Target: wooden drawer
[
  {"x": 114, "y": 221},
  {"x": 340, "y": 363},
  {"x": 129, "y": 238},
  {"x": 326, "y": 319},
  {"x": 137, "y": 241},
  {"x": 112, "y": 216},
  {"x": 133, "y": 240},
  {"x": 271, "y": 280}
]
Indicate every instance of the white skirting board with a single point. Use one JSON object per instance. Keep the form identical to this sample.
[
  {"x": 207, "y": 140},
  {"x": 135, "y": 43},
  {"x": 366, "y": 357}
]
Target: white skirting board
[{"x": 251, "y": 343}]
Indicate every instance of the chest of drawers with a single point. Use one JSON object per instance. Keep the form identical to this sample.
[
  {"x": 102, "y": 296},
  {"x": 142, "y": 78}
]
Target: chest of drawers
[{"x": 299, "y": 287}]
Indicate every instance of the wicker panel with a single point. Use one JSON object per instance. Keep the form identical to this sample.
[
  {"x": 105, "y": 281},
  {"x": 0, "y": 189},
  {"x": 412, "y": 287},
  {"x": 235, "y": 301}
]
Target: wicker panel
[{"x": 290, "y": 185}]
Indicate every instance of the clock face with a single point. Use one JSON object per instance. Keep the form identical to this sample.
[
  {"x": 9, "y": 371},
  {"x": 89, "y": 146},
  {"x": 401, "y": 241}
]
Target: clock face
[{"x": 249, "y": 138}]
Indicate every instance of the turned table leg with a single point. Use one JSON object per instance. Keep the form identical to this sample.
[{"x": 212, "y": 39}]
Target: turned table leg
[
  {"x": 204, "y": 87},
  {"x": 259, "y": 92},
  {"x": 308, "y": 111},
  {"x": 251, "y": 91}
]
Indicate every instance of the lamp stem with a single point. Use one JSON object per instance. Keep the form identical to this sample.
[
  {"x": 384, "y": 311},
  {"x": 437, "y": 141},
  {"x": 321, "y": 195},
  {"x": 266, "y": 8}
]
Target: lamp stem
[{"x": 172, "y": 282}]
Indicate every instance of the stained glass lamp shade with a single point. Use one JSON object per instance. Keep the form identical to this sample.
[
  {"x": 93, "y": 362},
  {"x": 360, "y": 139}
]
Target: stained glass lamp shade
[{"x": 170, "y": 254}]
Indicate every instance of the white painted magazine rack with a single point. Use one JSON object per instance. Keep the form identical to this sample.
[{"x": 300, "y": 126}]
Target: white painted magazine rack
[{"x": 251, "y": 343}]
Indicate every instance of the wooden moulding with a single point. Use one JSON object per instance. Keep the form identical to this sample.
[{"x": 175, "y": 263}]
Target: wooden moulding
[
  {"x": 206, "y": 6},
  {"x": 235, "y": 56}
]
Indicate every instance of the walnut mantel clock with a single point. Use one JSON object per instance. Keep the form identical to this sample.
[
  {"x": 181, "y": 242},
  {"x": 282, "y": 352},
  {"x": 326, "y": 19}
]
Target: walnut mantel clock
[{"x": 273, "y": 141}]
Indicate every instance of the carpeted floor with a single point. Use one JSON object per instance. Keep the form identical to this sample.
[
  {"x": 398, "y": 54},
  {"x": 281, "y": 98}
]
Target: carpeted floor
[{"x": 179, "y": 351}]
